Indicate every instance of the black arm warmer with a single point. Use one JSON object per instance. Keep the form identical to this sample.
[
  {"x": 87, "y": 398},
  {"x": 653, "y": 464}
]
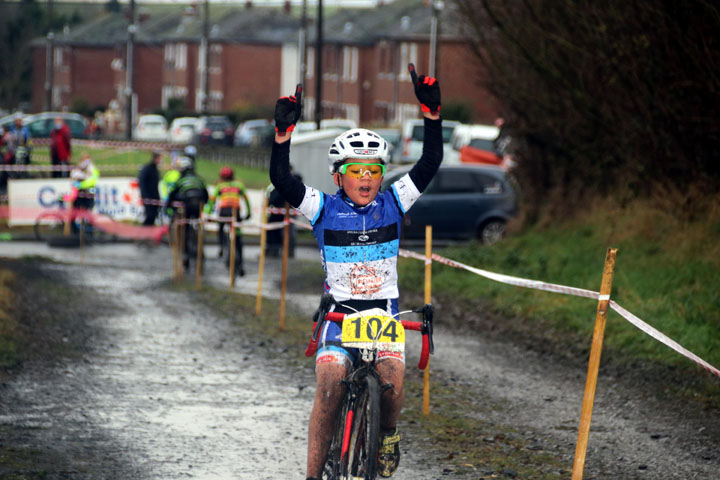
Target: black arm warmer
[
  {"x": 289, "y": 187},
  {"x": 424, "y": 170}
]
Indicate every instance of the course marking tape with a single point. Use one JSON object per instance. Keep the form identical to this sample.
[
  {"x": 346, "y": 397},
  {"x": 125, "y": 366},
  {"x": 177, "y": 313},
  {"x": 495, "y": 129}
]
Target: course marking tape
[
  {"x": 661, "y": 337},
  {"x": 551, "y": 287}
]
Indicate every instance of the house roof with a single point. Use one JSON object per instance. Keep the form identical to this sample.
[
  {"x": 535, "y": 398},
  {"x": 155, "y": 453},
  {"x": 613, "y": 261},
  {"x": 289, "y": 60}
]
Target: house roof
[{"x": 398, "y": 20}]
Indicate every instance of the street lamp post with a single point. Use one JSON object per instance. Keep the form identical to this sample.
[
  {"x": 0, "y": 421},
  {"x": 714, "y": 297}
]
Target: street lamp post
[{"x": 436, "y": 6}]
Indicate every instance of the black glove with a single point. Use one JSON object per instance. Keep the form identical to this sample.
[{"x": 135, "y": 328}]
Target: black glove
[
  {"x": 287, "y": 111},
  {"x": 427, "y": 90}
]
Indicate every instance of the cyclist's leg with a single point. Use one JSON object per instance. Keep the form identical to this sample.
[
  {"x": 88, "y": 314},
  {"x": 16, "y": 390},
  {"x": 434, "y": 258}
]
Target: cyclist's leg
[
  {"x": 328, "y": 394},
  {"x": 239, "y": 270},
  {"x": 391, "y": 370}
]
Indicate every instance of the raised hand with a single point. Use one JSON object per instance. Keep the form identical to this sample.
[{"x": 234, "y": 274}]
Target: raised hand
[
  {"x": 427, "y": 91},
  {"x": 287, "y": 111}
]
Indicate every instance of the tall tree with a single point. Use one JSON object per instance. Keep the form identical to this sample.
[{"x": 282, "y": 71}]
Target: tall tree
[{"x": 604, "y": 97}]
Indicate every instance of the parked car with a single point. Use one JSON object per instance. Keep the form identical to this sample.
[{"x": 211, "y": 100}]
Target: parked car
[
  {"x": 9, "y": 120},
  {"x": 151, "y": 128},
  {"x": 392, "y": 136},
  {"x": 41, "y": 124},
  {"x": 461, "y": 202},
  {"x": 339, "y": 123},
  {"x": 480, "y": 150},
  {"x": 254, "y": 133},
  {"x": 413, "y": 132},
  {"x": 465, "y": 133},
  {"x": 214, "y": 130},
  {"x": 182, "y": 130}
]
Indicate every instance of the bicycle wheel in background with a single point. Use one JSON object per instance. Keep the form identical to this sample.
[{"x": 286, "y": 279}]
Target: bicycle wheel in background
[
  {"x": 335, "y": 468},
  {"x": 365, "y": 436},
  {"x": 49, "y": 225}
]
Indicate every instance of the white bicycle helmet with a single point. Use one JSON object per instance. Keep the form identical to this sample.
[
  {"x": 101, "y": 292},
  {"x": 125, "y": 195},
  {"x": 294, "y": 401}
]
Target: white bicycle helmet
[
  {"x": 191, "y": 151},
  {"x": 357, "y": 143},
  {"x": 184, "y": 163}
]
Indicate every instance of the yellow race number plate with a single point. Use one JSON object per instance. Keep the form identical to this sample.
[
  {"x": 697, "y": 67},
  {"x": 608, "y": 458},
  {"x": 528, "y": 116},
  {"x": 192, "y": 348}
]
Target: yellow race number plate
[{"x": 373, "y": 329}]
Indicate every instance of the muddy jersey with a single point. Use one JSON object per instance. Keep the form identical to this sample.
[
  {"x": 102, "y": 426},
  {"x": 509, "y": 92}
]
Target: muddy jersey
[{"x": 359, "y": 245}]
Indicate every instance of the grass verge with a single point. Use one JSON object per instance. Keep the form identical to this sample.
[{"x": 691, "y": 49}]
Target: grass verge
[
  {"x": 667, "y": 273},
  {"x": 133, "y": 160}
]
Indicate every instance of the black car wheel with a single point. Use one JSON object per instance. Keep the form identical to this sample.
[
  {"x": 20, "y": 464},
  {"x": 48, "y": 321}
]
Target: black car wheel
[{"x": 491, "y": 232}]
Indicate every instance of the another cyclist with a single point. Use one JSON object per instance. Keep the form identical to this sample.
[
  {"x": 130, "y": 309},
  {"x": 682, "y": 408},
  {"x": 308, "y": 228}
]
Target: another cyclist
[
  {"x": 84, "y": 180},
  {"x": 190, "y": 190},
  {"x": 228, "y": 193},
  {"x": 358, "y": 231}
]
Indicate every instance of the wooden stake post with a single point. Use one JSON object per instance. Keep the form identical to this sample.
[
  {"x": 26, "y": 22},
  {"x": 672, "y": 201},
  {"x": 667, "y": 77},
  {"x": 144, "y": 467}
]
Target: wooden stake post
[
  {"x": 232, "y": 247},
  {"x": 199, "y": 258},
  {"x": 283, "y": 281},
  {"x": 261, "y": 265},
  {"x": 428, "y": 296},
  {"x": 594, "y": 364}
]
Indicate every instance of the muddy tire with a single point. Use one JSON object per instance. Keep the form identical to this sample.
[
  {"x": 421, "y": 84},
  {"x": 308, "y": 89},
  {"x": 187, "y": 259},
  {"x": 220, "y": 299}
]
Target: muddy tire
[{"x": 365, "y": 435}]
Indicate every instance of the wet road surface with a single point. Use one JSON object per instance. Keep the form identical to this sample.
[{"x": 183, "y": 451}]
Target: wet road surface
[{"x": 171, "y": 391}]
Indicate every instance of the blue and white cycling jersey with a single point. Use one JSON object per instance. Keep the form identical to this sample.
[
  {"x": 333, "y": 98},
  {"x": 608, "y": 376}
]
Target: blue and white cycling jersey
[{"x": 359, "y": 245}]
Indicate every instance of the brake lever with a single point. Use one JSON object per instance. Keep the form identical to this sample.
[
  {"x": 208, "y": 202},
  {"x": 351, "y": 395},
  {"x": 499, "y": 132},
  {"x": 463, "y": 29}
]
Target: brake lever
[{"x": 427, "y": 327}]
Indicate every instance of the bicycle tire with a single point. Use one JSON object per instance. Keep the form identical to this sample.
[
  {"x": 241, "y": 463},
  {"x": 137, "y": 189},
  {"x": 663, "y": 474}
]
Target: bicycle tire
[
  {"x": 365, "y": 434},
  {"x": 49, "y": 225},
  {"x": 334, "y": 468}
]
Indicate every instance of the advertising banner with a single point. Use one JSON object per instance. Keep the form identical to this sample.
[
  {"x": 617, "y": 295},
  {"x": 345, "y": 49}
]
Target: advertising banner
[{"x": 117, "y": 197}]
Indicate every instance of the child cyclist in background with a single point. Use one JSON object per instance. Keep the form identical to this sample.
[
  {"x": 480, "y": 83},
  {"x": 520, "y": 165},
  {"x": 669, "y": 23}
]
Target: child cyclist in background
[{"x": 358, "y": 232}]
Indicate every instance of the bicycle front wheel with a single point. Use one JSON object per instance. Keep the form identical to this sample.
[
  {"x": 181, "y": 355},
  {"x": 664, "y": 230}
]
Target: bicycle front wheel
[
  {"x": 365, "y": 435},
  {"x": 49, "y": 225}
]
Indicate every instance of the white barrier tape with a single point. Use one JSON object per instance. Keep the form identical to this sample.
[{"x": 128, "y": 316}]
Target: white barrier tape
[
  {"x": 116, "y": 144},
  {"x": 551, "y": 287},
  {"x": 281, "y": 211},
  {"x": 301, "y": 224},
  {"x": 661, "y": 337},
  {"x": 273, "y": 225},
  {"x": 66, "y": 168}
]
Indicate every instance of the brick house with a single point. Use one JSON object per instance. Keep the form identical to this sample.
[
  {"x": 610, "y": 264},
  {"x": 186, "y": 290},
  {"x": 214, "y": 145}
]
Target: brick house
[{"x": 254, "y": 58}]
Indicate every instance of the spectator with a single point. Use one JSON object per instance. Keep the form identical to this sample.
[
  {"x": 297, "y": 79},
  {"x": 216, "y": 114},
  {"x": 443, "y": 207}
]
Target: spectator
[
  {"x": 16, "y": 141},
  {"x": 60, "y": 147},
  {"x": 148, "y": 180}
]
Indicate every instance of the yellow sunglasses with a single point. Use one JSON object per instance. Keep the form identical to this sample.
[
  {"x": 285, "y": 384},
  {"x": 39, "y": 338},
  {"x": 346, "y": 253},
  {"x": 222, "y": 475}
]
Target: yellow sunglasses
[{"x": 358, "y": 170}]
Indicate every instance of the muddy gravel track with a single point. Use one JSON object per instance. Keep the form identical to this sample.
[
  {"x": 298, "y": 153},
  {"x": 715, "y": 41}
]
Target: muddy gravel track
[{"x": 167, "y": 389}]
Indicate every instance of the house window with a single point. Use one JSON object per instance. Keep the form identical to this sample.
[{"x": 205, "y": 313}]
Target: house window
[
  {"x": 350, "y": 63},
  {"x": 408, "y": 54},
  {"x": 169, "y": 55},
  {"x": 180, "y": 56},
  {"x": 310, "y": 63},
  {"x": 215, "y": 62},
  {"x": 58, "y": 56}
]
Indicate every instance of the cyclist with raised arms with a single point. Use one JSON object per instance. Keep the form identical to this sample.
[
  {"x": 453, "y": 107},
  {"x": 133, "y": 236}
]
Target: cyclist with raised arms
[{"x": 358, "y": 231}]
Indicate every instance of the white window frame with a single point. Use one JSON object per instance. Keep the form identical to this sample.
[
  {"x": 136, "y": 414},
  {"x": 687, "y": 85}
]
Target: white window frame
[
  {"x": 408, "y": 54},
  {"x": 181, "y": 56}
]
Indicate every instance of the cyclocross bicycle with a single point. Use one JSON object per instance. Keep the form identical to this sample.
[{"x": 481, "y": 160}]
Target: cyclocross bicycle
[{"x": 354, "y": 447}]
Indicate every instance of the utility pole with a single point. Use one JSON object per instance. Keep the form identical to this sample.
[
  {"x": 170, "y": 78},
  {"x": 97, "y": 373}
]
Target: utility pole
[
  {"x": 49, "y": 59},
  {"x": 205, "y": 64},
  {"x": 436, "y": 6},
  {"x": 302, "y": 44},
  {"x": 318, "y": 65},
  {"x": 129, "y": 72}
]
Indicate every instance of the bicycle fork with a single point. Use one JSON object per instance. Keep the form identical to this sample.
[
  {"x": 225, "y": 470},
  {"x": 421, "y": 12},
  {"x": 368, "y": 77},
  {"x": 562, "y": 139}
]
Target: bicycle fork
[{"x": 353, "y": 390}]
